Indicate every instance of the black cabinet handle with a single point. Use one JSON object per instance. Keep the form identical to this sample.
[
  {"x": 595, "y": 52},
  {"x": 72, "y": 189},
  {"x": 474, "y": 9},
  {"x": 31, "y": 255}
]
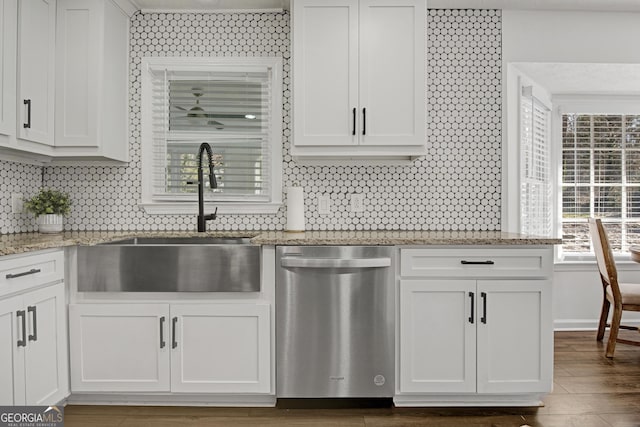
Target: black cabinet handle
[
  {"x": 27, "y": 102},
  {"x": 353, "y": 129},
  {"x": 364, "y": 121},
  {"x": 174, "y": 342},
  {"x": 473, "y": 298},
  {"x": 464, "y": 262},
  {"x": 162, "y": 343},
  {"x": 32, "y": 309},
  {"x": 483, "y": 295},
  {"x": 23, "y": 341},
  {"x": 24, "y": 273}
]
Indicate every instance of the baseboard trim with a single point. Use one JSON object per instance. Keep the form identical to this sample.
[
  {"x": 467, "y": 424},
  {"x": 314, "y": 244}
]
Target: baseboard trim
[
  {"x": 584, "y": 324},
  {"x": 445, "y": 400},
  {"x": 172, "y": 400}
]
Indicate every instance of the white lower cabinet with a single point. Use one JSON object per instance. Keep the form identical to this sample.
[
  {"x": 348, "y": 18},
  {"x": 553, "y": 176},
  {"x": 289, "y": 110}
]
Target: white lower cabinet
[
  {"x": 182, "y": 348},
  {"x": 117, "y": 347},
  {"x": 220, "y": 348},
  {"x": 34, "y": 361},
  {"x": 472, "y": 336},
  {"x": 469, "y": 340}
]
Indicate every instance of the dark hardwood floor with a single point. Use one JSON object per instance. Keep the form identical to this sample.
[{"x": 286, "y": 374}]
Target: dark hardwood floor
[{"x": 590, "y": 391}]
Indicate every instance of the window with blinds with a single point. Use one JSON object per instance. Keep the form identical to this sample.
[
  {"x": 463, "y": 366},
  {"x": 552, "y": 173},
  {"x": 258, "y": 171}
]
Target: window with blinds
[
  {"x": 600, "y": 178},
  {"x": 535, "y": 166},
  {"x": 230, "y": 110}
]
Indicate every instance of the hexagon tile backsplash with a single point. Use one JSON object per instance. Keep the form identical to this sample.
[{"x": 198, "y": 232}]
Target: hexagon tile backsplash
[
  {"x": 455, "y": 187},
  {"x": 17, "y": 178}
]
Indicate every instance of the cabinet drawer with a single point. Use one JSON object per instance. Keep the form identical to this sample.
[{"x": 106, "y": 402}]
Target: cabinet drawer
[
  {"x": 18, "y": 273},
  {"x": 476, "y": 262}
]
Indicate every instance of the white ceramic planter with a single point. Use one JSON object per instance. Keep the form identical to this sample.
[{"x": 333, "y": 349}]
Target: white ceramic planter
[{"x": 49, "y": 223}]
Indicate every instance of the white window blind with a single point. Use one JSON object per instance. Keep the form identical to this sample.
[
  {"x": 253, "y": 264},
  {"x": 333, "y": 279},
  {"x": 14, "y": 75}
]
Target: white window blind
[
  {"x": 535, "y": 166},
  {"x": 600, "y": 178},
  {"x": 230, "y": 110}
]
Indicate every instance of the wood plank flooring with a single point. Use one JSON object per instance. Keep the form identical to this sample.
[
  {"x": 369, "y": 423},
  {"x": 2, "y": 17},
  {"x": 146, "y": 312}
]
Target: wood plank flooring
[{"x": 590, "y": 391}]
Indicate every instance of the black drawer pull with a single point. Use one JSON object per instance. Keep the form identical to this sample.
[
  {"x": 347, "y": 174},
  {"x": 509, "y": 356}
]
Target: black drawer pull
[
  {"x": 174, "y": 341},
  {"x": 27, "y": 125},
  {"x": 464, "y": 262},
  {"x": 353, "y": 129},
  {"x": 32, "y": 309},
  {"x": 364, "y": 121},
  {"x": 473, "y": 302},
  {"x": 24, "y": 273},
  {"x": 162, "y": 343},
  {"x": 23, "y": 315},
  {"x": 483, "y": 319}
]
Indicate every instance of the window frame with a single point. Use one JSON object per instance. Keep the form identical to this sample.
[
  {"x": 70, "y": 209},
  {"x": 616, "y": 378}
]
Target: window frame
[
  {"x": 188, "y": 205},
  {"x": 515, "y": 81},
  {"x": 583, "y": 104}
]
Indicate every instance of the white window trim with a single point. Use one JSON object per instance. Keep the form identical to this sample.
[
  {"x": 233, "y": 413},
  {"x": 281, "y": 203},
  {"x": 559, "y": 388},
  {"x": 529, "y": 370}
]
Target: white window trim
[
  {"x": 582, "y": 104},
  {"x": 194, "y": 64},
  {"x": 511, "y": 155}
]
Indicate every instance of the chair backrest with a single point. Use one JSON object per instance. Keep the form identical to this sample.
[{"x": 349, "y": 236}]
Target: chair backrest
[{"x": 604, "y": 255}]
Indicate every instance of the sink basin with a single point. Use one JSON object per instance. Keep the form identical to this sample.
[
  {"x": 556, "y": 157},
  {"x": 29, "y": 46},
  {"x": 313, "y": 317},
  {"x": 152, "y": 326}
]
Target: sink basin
[{"x": 189, "y": 264}]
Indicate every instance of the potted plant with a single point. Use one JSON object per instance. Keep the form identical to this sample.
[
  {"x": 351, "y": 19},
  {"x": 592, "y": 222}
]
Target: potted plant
[{"x": 49, "y": 206}]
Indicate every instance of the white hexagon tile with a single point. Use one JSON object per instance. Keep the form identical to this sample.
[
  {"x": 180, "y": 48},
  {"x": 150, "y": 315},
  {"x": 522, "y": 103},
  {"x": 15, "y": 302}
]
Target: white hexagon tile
[{"x": 456, "y": 186}]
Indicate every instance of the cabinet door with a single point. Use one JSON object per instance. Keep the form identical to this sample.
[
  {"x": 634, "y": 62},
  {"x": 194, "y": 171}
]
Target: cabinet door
[
  {"x": 325, "y": 72},
  {"x": 437, "y": 336},
  {"x": 119, "y": 347},
  {"x": 392, "y": 72},
  {"x": 78, "y": 49},
  {"x": 46, "y": 366},
  {"x": 8, "y": 34},
  {"x": 220, "y": 348},
  {"x": 36, "y": 66},
  {"x": 515, "y": 336},
  {"x": 11, "y": 353}
]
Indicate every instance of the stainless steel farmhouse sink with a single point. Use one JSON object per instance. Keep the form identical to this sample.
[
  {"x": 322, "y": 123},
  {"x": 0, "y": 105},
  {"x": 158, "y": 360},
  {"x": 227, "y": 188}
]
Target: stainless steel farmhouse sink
[{"x": 184, "y": 264}]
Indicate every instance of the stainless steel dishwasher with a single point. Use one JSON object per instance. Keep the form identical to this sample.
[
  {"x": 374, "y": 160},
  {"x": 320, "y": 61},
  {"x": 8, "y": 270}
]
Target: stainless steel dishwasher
[{"x": 334, "y": 321}]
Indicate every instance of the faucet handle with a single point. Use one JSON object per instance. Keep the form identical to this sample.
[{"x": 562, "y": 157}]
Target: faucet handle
[{"x": 211, "y": 216}]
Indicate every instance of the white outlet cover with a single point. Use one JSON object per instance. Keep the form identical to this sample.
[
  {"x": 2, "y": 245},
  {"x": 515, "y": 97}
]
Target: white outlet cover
[
  {"x": 324, "y": 204},
  {"x": 17, "y": 205},
  {"x": 357, "y": 202}
]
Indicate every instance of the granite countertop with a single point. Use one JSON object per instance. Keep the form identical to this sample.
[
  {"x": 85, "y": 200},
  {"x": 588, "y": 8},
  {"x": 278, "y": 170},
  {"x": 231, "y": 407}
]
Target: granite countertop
[
  {"x": 25, "y": 242},
  {"x": 395, "y": 238}
]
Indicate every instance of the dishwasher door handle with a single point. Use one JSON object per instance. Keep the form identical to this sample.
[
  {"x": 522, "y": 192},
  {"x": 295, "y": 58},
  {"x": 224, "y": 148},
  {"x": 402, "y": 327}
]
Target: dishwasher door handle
[{"x": 335, "y": 262}]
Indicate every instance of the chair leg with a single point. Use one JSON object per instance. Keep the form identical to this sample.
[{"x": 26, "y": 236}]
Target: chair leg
[
  {"x": 603, "y": 319},
  {"x": 613, "y": 331}
]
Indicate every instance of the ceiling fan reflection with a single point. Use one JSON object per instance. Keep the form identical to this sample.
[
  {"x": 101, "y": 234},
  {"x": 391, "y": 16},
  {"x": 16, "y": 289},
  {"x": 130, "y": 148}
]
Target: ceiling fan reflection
[{"x": 197, "y": 112}]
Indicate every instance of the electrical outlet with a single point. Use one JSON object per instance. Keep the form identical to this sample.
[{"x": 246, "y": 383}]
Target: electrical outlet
[
  {"x": 16, "y": 203},
  {"x": 357, "y": 202},
  {"x": 324, "y": 204}
]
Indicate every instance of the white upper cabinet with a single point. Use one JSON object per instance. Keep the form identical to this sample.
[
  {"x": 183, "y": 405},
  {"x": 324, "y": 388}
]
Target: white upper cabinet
[
  {"x": 36, "y": 67},
  {"x": 64, "y": 80},
  {"x": 91, "y": 80},
  {"x": 8, "y": 35},
  {"x": 358, "y": 78},
  {"x": 325, "y": 84}
]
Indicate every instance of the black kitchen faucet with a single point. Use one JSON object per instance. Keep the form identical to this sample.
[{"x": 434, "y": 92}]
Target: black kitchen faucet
[{"x": 202, "y": 218}]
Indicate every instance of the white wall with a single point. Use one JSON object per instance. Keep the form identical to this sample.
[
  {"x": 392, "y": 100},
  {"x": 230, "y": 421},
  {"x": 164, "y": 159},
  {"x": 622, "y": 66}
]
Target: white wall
[
  {"x": 572, "y": 37},
  {"x": 555, "y": 36},
  {"x": 577, "y": 295}
]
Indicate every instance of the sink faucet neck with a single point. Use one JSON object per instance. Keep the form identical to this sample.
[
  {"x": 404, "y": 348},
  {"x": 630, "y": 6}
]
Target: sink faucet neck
[{"x": 202, "y": 218}]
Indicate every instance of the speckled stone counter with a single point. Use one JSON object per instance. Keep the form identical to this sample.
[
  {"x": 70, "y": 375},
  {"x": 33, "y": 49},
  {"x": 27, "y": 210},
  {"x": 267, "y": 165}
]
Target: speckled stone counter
[
  {"x": 25, "y": 242},
  {"x": 396, "y": 238}
]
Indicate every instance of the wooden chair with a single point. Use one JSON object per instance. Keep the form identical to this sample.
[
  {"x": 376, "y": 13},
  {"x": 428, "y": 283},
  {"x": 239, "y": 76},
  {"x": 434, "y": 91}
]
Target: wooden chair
[{"x": 623, "y": 296}]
